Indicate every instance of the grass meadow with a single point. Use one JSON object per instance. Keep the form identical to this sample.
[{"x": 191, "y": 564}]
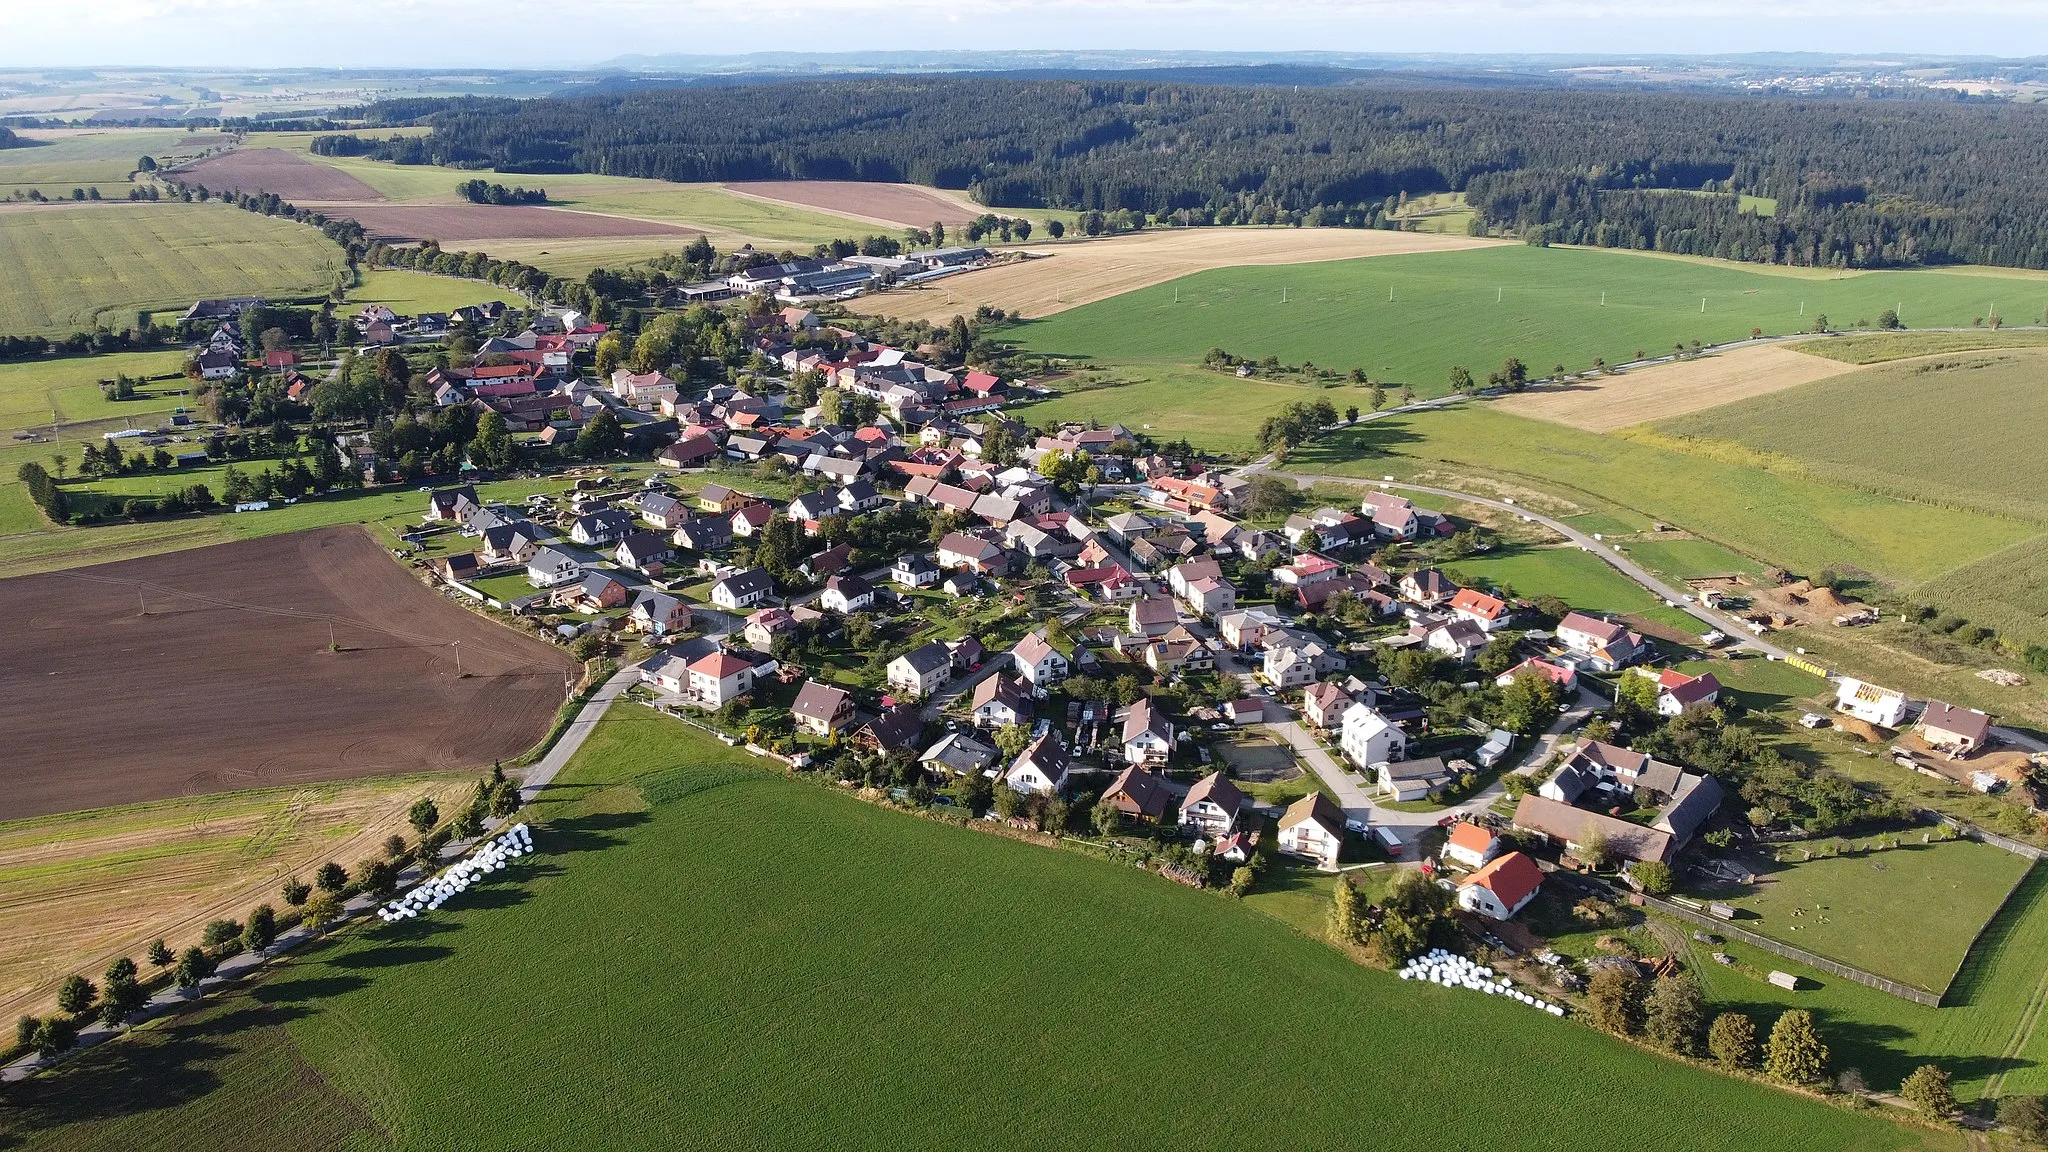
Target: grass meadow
[
  {"x": 410, "y": 293},
  {"x": 1878, "y": 347},
  {"x": 1584, "y": 580},
  {"x": 1480, "y": 306},
  {"x": 1215, "y": 410},
  {"x": 94, "y": 158},
  {"x": 676, "y": 961},
  {"x": 75, "y": 268},
  {"x": 33, "y": 391}
]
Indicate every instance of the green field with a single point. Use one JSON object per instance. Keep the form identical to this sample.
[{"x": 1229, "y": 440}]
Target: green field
[
  {"x": 100, "y": 158},
  {"x": 32, "y": 391},
  {"x": 1688, "y": 559},
  {"x": 1961, "y": 429},
  {"x": 1878, "y": 347},
  {"x": 1582, "y": 579},
  {"x": 410, "y": 293},
  {"x": 1909, "y": 913},
  {"x": 1802, "y": 524},
  {"x": 698, "y": 977},
  {"x": 1215, "y": 410},
  {"x": 74, "y": 268},
  {"x": 2007, "y": 591},
  {"x": 1479, "y": 307}
]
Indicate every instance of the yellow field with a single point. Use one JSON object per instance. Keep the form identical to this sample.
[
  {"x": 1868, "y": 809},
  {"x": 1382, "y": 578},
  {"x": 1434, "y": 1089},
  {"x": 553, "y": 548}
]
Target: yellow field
[
  {"x": 79, "y": 890},
  {"x": 1604, "y": 403},
  {"x": 1067, "y": 275}
]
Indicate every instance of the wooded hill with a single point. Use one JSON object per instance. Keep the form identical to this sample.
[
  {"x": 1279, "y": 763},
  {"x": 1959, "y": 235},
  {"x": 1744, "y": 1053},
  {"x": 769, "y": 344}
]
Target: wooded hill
[{"x": 1859, "y": 184}]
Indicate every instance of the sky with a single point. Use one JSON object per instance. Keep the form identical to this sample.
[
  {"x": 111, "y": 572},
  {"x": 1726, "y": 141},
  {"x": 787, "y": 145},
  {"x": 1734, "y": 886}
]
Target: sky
[{"x": 547, "y": 33}]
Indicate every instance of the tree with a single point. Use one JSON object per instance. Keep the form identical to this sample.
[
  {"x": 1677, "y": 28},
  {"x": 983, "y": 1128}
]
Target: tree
[
  {"x": 1269, "y": 495},
  {"x": 261, "y": 930},
  {"x": 1011, "y": 739},
  {"x": 124, "y": 998},
  {"x": 77, "y": 995},
  {"x": 610, "y": 353},
  {"x": 1675, "y": 1014},
  {"x": 331, "y": 877},
  {"x": 2024, "y": 1116},
  {"x": 159, "y": 954},
  {"x": 1889, "y": 320},
  {"x": 601, "y": 438},
  {"x": 122, "y": 969},
  {"x": 1055, "y": 229},
  {"x": 504, "y": 798},
  {"x": 296, "y": 891},
  {"x": 1653, "y": 875},
  {"x": 1928, "y": 1089},
  {"x": 1592, "y": 846},
  {"x": 1347, "y": 921},
  {"x": 1794, "y": 1053},
  {"x": 1616, "y": 998},
  {"x": 493, "y": 446},
  {"x": 53, "y": 1037},
  {"x": 1379, "y": 397},
  {"x": 1106, "y": 818},
  {"x": 423, "y": 815},
  {"x": 322, "y": 908},
  {"x": 1461, "y": 378},
  {"x": 194, "y": 965}
]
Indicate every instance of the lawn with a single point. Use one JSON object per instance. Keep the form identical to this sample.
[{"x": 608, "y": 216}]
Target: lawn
[
  {"x": 74, "y": 268},
  {"x": 1579, "y": 578},
  {"x": 1215, "y": 410},
  {"x": 31, "y": 391},
  {"x": 1800, "y": 523},
  {"x": 410, "y": 293},
  {"x": 1908, "y": 913},
  {"x": 1688, "y": 559},
  {"x": 685, "y": 968},
  {"x": 1480, "y": 306}
]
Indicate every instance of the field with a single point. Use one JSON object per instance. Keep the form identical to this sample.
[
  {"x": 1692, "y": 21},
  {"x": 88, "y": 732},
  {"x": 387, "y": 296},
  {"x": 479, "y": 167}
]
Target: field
[
  {"x": 85, "y": 887},
  {"x": 684, "y": 967},
  {"x": 1798, "y": 522},
  {"x": 228, "y": 682},
  {"x": 1604, "y": 403},
  {"x": 470, "y": 226},
  {"x": 1561, "y": 570},
  {"x": 895, "y": 206},
  {"x": 1877, "y": 347},
  {"x": 1476, "y": 308},
  {"x": 2007, "y": 591},
  {"x": 1071, "y": 274},
  {"x": 102, "y": 158},
  {"x": 1960, "y": 429},
  {"x": 1212, "y": 409},
  {"x": 74, "y": 267},
  {"x": 1852, "y": 908},
  {"x": 410, "y": 293},
  {"x": 275, "y": 170},
  {"x": 32, "y": 391}
]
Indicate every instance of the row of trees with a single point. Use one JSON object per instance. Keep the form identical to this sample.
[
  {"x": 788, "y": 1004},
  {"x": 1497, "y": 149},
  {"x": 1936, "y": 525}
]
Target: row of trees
[{"x": 487, "y": 192}]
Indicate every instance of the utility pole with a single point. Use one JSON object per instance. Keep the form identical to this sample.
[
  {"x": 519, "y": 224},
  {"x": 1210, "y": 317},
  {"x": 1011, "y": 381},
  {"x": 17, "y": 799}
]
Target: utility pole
[
  {"x": 458, "y": 659},
  {"x": 143, "y": 598},
  {"x": 1603, "y": 299}
]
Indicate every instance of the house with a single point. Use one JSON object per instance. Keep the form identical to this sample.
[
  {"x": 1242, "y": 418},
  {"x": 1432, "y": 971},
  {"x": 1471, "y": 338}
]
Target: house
[
  {"x": 922, "y": 670},
  {"x": 763, "y": 628},
  {"x": 1498, "y": 744},
  {"x": 606, "y": 527},
  {"x": 1401, "y": 780},
  {"x": 1148, "y": 734},
  {"x": 847, "y": 594},
  {"x": 1249, "y": 628},
  {"x": 1370, "y": 739},
  {"x": 704, "y": 534},
  {"x": 895, "y": 729},
  {"x": 1153, "y": 616},
  {"x": 1001, "y": 700},
  {"x": 644, "y": 552},
  {"x": 960, "y": 550},
  {"x": 1569, "y": 827},
  {"x": 1313, "y": 829},
  {"x": 959, "y": 754},
  {"x": 667, "y": 672},
  {"x": 1489, "y": 613},
  {"x": 1458, "y": 640},
  {"x": 1501, "y": 888},
  {"x": 513, "y": 543},
  {"x": 1952, "y": 730},
  {"x": 1323, "y": 705},
  {"x": 1241, "y": 712},
  {"x": 596, "y": 592},
  {"x": 218, "y": 364},
  {"x": 658, "y": 613},
  {"x": 1180, "y": 576},
  {"x": 688, "y": 452},
  {"x": 460, "y": 566},
  {"x": 1427, "y": 587},
  {"x": 724, "y": 500},
  {"x": 719, "y": 678},
  {"x": 661, "y": 510},
  {"x": 1471, "y": 845},
  {"x": 451, "y": 504},
  {"x": 1296, "y": 659},
  {"x": 1592, "y": 765},
  {"x": 1038, "y": 662},
  {"x": 549, "y": 568},
  {"x": 1213, "y": 806},
  {"x": 821, "y": 709},
  {"x": 962, "y": 583},
  {"x": 1211, "y": 596},
  {"x": 1870, "y": 703},
  {"x": 749, "y": 519},
  {"x": 1041, "y": 767},
  {"x": 967, "y": 654},
  {"x": 913, "y": 570},
  {"x": 1605, "y": 646},
  {"x": 830, "y": 562},
  {"x": 1138, "y": 794},
  {"x": 1558, "y": 674},
  {"x": 1677, "y": 691},
  {"x": 811, "y": 508},
  {"x": 742, "y": 589}
]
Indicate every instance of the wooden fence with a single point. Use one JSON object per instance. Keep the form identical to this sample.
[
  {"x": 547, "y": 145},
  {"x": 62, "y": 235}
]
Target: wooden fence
[{"x": 1836, "y": 967}]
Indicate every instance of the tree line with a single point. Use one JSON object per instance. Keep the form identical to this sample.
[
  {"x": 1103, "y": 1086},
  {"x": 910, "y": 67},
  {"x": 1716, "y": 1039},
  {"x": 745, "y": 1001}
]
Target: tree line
[
  {"x": 486, "y": 192},
  {"x": 1855, "y": 183}
]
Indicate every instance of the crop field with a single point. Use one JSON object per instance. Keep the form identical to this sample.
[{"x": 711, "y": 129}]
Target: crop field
[
  {"x": 1801, "y": 523},
  {"x": 33, "y": 391},
  {"x": 1852, "y": 907},
  {"x": 287, "y": 174},
  {"x": 67, "y": 158},
  {"x": 85, "y": 887},
  {"x": 1960, "y": 429},
  {"x": 210, "y": 671},
  {"x": 889, "y": 205},
  {"x": 1476, "y": 308},
  {"x": 1604, "y": 403},
  {"x": 1070, "y": 274},
  {"x": 2007, "y": 591},
  {"x": 467, "y": 226},
  {"x": 774, "y": 965},
  {"x": 73, "y": 268}
]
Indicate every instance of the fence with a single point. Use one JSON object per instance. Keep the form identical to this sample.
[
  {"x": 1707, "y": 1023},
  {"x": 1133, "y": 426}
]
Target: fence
[
  {"x": 1985, "y": 836},
  {"x": 1870, "y": 979}
]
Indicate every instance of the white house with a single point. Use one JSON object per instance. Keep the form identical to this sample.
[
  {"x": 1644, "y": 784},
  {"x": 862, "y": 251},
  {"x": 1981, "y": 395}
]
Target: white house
[
  {"x": 913, "y": 570},
  {"x": 1489, "y": 613},
  {"x": 742, "y": 590},
  {"x": 1501, "y": 888},
  {"x": 923, "y": 670},
  {"x": 1401, "y": 780},
  {"x": 1870, "y": 703},
  {"x": 1370, "y": 738},
  {"x": 847, "y": 594},
  {"x": 719, "y": 678},
  {"x": 1604, "y": 645},
  {"x": 1148, "y": 734},
  {"x": 1038, "y": 661},
  {"x": 1000, "y": 700},
  {"x": 1470, "y": 845},
  {"x": 1457, "y": 639},
  {"x": 1313, "y": 829},
  {"x": 1041, "y": 767},
  {"x": 1677, "y": 691},
  {"x": 550, "y": 568},
  {"x": 1212, "y": 807}
]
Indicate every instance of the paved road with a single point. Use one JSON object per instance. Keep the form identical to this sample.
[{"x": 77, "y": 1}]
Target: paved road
[{"x": 543, "y": 773}]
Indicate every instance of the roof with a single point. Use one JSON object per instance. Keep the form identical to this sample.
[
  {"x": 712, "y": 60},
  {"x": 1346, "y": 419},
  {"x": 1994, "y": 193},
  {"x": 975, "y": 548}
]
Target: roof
[
  {"x": 1563, "y": 822},
  {"x": 752, "y": 580},
  {"x": 928, "y": 658},
  {"x": 961, "y": 751},
  {"x": 1217, "y": 789},
  {"x": 1512, "y": 878},
  {"x": 851, "y": 587},
  {"x": 720, "y": 665},
  {"x": 897, "y": 728},
  {"x": 1033, "y": 648},
  {"x": 1690, "y": 690},
  {"x": 1154, "y": 610},
  {"x": 998, "y": 689},
  {"x": 1146, "y": 792},
  {"x": 1427, "y": 768},
  {"x": 1477, "y": 603},
  {"x": 1317, "y": 807},
  {"x": 1604, "y": 631},
  {"x": 1471, "y": 837},
  {"x": 819, "y": 701},
  {"x": 1326, "y": 696},
  {"x": 1144, "y": 718},
  {"x": 1964, "y": 722},
  {"x": 1543, "y": 668}
]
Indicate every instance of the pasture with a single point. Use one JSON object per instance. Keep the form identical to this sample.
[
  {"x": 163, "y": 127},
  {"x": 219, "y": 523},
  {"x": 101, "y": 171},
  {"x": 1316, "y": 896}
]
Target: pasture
[
  {"x": 211, "y": 671},
  {"x": 1212, "y": 409},
  {"x": 1605, "y": 403},
  {"x": 1584, "y": 581},
  {"x": 77, "y": 267},
  {"x": 1799, "y": 522},
  {"x": 1878, "y": 347},
  {"x": 67, "y": 158},
  {"x": 1908, "y": 913},
  {"x": 32, "y": 392},
  {"x": 410, "y": 293},
  {"x": 1410, "y": 318},
  {"x": 951, "y": 988}
]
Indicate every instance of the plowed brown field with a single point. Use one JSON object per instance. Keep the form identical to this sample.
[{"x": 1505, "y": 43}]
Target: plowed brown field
[
  {"x": 287, "y": 174},
  {"x": 1605, "y": 403},
  {"x": 903, "y": 205},
  {"x": 228, "y": 682}
]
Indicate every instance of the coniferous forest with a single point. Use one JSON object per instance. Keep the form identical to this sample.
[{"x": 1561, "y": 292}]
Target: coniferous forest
[{"x": 1840, "y": 183}]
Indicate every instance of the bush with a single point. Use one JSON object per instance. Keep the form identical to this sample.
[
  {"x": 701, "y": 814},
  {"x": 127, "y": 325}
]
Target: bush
[
  {"x": 1616, "y": 999},
  {"x": 2023, "y": 1116},
  {"x": 220, "y": 932},
  {"x": 1795, "y": 1053},
  {"x": 1929, "y": 1090},
  {"x": 1654, "y": 876},
  {"x": 1732, "y": 1041}
]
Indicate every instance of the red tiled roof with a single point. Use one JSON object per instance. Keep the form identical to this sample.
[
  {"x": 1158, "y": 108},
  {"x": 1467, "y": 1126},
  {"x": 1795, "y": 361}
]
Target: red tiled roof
[{"x": 1511, "y": 878}]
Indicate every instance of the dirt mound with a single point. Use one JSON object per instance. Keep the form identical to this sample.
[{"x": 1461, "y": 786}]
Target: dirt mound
[{"x": 274, "y": 170}]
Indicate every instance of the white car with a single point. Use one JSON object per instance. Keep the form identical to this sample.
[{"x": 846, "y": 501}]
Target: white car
[{"x": 1813, "y": 720}]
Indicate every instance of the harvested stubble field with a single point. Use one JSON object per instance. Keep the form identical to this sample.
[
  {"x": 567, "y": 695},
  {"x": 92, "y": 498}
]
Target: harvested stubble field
[
  {"x": 889, "y": 205},
  {"x": 667, "y": 889},
  {"x": 459, "y": 224},
  {"x": 287, "y": 174},
  {"x": 1604, "y": 403},
  {"x": 1064, "y": 276},
  {"x": 227, "y": 683}
]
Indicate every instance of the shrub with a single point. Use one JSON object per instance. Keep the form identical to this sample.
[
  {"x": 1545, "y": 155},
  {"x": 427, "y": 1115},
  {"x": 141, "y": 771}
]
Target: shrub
[
  {"x": 1732, "y": 1041},
  {"x": 1929, "y": 1090},
  {"x": 1616, "y": 998},
  {"x": 1676, "y": 1012},
  {"x": 220, "y": 932},
  {"x": 2023, "y": 1116},
  {"x": 1654, "y": 876}
]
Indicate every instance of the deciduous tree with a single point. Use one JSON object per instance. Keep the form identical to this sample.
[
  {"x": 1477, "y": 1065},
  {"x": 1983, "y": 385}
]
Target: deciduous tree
[
  {"x": 1795, "y": 1053},
  {"x": 1928, "y": 1088}
]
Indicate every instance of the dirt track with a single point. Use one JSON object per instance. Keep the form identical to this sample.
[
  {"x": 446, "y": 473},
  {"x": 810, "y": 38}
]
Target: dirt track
[
  {"x": 228, "y": 682},
  {"x": 1603, "y": 404},
  {"x": 287, "y": 174}
]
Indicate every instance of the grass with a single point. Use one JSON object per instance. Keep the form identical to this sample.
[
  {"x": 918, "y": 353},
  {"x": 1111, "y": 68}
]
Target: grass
[
  {"x": 687, "y": 969},
  {"x": 2007, "y": 591},
  {"x": 1878, "y": 347},
  {"x": 1480, "y": 306},
  {"x": 410, "y": 293},
  {"x": 1854, "y": 908},
  {"x": 102, "y": 158},
  {"x": 1584, "y": 580},
  {"x": 31, "y": 391},
  {"x": 1800, "y": 523},
  {"x": 1688, "y": 559},
  {"x": 74, "y": 269},
  {"x": 1215, "y": 410}
]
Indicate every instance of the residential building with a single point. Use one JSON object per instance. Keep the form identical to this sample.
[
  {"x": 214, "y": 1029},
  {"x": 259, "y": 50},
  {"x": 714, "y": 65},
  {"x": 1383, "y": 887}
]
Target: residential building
[
  {"x": 605, "y": 527},
  {"x": 961, "y": 550},
  {"x": 913, "y": 570},
  {"x": 1139, "y": 795},
  {"x": 1458, "y": 640},
  {"x": 596, "y": 592},
  {"x": 1369, "y": 739},
  {"x": 1323, "y": 705},
  {"x": 1041, "y": 767},
  {"x": 1564, "y": 677},
  {"x": 1153, "y": 616},
  {"x": 1401, "y": 780},
  {"x": 1677, "y": 691},
  {"x": 644, "y": 552},
  {"x": 847, "y": 594},
  {"x": 1213, "y": 806},
  {"x": 1313, "y": 829},
  {"x": 1884, "y": 707},
  {"x": 1569, "y": 827},
  {"x": 658, "y": 613},
  {"x": 704, "y": 534},
  {"x": 1602, "y": 645},
  {"x": 1501, "y": 888},
  {"x": 1952, "y": 730},
  {"x": 767, "y": 626},
  {"x": 548, "y": 568},
  {"x": 922, "y": 670},
  {"x": 1471, "y": 845},
  {"x": 1148, "y": 734},
  {"x": 1427, "y": 587},
  {"x": 1038, "y": 662},
  {"x": 959, "y": 753},
  {"x": 1489, "y": 613},
  {"x": 742, "y": 590},
  {"x": 662, "y": 510},
  {"x": 720, "y": 678},
  {"x": 821, "y": 709},
  {"x": 1000, "y": 700}
]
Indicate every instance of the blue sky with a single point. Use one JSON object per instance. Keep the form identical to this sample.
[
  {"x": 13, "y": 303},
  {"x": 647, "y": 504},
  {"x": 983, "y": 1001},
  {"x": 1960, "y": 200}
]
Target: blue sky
[{"x": 533, "y": 33}]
